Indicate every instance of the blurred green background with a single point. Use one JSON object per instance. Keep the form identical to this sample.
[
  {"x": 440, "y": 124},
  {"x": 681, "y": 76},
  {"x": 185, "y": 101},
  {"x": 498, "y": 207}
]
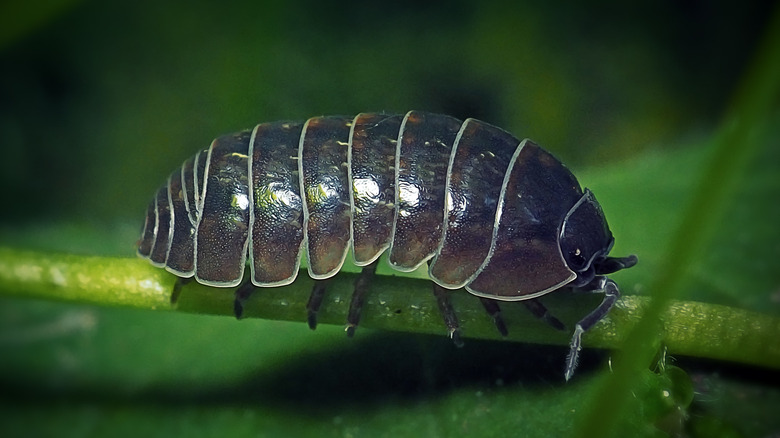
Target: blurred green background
[
  {"x": 102, "y": 100},
  {"x": 99, "y": 101}
]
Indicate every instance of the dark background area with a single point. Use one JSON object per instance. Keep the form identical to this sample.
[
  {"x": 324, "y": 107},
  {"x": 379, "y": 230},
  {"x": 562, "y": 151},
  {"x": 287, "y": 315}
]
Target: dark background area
[{"x": 100, "y": 100}]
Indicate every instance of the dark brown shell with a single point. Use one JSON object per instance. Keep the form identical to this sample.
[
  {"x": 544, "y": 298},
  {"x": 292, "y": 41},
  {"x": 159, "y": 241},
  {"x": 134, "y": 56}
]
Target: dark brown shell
[{"x": 482, "y": 207}]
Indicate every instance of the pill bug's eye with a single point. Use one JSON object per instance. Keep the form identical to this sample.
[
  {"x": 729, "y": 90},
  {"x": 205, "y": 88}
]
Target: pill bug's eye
[{"x": 576, "y": 260}]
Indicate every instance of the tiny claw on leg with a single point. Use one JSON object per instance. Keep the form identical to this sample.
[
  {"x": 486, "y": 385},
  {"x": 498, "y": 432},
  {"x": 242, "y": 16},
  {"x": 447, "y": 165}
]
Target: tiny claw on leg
[
  {"x": 574, "y": 352},
  {"x": 455, "y": 336},
  {"x": 242, "y": 295},
  {"x": 362, "y": 285},
  {"x": 311, "y": 319},
  {"x": 493, "y": 309},
  {"x": 611, "y": 294},
  {"x": 315, "y": 301},
  {"x": 238, "y": 309},
  {"x": 180, "y": 282},
  {"x": 450, "y": 319}
]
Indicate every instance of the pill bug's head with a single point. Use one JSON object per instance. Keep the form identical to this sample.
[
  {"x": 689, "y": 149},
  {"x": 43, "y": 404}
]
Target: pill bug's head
[{"x": 585, "y": 242}]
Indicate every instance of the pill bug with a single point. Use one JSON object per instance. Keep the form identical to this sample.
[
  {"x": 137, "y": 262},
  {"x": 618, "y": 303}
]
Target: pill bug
[{"x": 500, "y": 217}]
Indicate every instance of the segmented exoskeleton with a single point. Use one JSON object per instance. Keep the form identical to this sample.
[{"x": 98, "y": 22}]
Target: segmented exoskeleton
[{"x": 499, "y": 216}]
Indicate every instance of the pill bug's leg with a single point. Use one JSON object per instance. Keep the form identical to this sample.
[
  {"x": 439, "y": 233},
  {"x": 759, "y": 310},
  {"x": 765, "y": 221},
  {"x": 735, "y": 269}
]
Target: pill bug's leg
[
  {"x": 180, "y": 282},
  {"x": 541, "y": 312},
  {"x": 315, "y": 301},
  {"x": 362, "y": 285},
  {"x": 450, "y": 319},
  {"x": 493, "y": 309},
  {"x": 611, "y": 294},
  {"x": 242, "y": 295}
]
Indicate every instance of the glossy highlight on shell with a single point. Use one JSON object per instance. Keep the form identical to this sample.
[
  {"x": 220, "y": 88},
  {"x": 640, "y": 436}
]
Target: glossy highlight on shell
[{"x": 487, "y": 212}]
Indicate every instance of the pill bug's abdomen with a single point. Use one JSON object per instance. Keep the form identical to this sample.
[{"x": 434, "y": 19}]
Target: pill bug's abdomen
[
  {"x": 276, "y": 216},
  {"x": 475, "y": 176},
  {"x": 501, "y": 217},
  {"x": 422, "y": 155},
  {"x": 536, "y": 195},
  {"x": 467, "y": 195},
  {"x": 223, "y": 226},
  {"x": 325, "y": 188},
  {"x": 372, "y": 172},
  {"x": 180, "y": 258}
]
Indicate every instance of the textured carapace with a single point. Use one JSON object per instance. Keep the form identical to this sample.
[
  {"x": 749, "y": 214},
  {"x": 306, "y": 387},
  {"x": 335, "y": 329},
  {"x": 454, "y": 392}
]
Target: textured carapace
[{"x": 499, "y": 216}]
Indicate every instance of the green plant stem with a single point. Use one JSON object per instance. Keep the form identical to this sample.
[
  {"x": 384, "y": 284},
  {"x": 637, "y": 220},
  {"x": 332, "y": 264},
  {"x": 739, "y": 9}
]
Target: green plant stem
[{"x": 395, "y": 303}]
